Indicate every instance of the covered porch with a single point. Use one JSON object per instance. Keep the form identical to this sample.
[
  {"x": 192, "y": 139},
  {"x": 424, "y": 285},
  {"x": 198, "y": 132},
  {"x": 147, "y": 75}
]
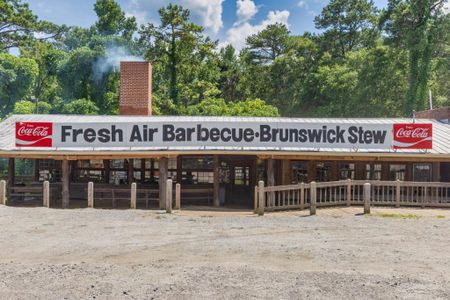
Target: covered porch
[{"x": 207, "y": 179}]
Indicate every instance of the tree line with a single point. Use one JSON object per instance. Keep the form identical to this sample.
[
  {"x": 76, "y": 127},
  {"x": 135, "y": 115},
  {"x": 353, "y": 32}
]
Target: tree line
[{"x": 365, "y": 62}]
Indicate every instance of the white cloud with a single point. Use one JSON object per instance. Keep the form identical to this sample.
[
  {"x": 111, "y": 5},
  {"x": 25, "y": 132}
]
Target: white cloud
[
  {"x": 246, "y": 9},
  {"x": 302, "y": 4},
  {"x": 237, "y": 34},
  {"x": 207, "y": 12}
]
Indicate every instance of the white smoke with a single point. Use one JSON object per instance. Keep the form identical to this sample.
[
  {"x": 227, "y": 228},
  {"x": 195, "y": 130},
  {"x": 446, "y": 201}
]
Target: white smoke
[{"x": 111, "y": 61}]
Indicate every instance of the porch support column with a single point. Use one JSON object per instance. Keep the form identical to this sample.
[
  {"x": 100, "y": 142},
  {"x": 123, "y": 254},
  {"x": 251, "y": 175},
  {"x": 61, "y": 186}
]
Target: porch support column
[
  {"x": 271, "y": 179},
  {"x": 270, "y": 172},
  {"x": 216, "y": 201},
  {"x": 409, "y": 172},
  {"x": 130, "y": 171},
  {"x": 286, "y": 172},
  {"x": 162, "y": 165},
  {"x": 11, "y": 173},
  {"x": 142, "y": 170},
  {"x": 36, "y": 170},
  {"x": 436, "y": 169},
  {"x": 107, "y": 168},
  {"x": 384, "y": 170},
  {"x": 65, "y": 183},
  {"x": 335, "y": 170},
  {"x": 311, "y": 170}
]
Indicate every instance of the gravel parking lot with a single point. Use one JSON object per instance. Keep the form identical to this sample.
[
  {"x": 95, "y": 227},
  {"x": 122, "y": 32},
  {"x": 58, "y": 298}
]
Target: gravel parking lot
[{"x": 136, "y": 254}]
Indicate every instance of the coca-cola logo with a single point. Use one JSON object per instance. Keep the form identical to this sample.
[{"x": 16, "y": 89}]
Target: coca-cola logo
[
  {"x": 413, "y": 136},
  {"x": 34, "y": 134}
]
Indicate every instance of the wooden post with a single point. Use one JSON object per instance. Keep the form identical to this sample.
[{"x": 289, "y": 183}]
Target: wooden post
[
  {"x": 286, "y": 172},
  {"x": 178, "y": 196},
  {"x": 162, "y": 165},
  {"x": 398, "y": 186},
  {"x": 179, "y": 168},
  {"x": 169, "y": 196},
  {"x": 312, "y": 170},
  {"x": 424, "y": 196},
  {"x": 349, "y": 192},
  {"x": 216, "y": 201},
  {"x": 3, "y": 192},
  {"x": 271, "y": 180},
  {"x": 302, "y": 196},
  {"x": 11, "y": 173},
  {"x": 261, "y": 197},
  {"x": 312, "y": 207},
  {"x": 65, "y": 183},
  {"x": 107, "y": 170},
  {"x": 130, "y": 173},
  {"x": 133, "y": 196},
  {"x": 366, "y": 198},
  {"x": 46, "y": 194},
  {"x": 36, "y": 170},
  {"x": 142, "y": 170},
  {"x": 152, "y": 170},
  {"x": 436, "y": 172},
  {"x": 90, "y": 194},
  {"x": 334, "y": 171},
  {"x": 255, "y": 200}
]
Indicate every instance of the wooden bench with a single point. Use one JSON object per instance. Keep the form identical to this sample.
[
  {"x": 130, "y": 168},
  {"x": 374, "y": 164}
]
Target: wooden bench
[
  {"x": 147, "y": 195},
  {"x": 113, "y": 195},
  {"x": 196, "y": 195},
  {"x": 21, "y": 193}
]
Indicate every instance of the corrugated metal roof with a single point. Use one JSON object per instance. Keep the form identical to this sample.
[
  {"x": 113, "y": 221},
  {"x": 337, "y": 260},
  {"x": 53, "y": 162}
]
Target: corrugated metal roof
[{"x": 441, "y": 132}]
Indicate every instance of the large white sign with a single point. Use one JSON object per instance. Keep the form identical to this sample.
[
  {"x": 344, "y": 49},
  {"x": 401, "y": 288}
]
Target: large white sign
[{"x": 207, "y": 134}]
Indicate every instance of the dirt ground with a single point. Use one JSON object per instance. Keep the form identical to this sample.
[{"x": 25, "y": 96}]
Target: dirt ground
[{"x": 136, "y": 254}]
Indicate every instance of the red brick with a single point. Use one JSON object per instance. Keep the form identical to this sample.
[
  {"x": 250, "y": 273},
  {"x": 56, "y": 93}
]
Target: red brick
[{"x": 135, "y": 88}]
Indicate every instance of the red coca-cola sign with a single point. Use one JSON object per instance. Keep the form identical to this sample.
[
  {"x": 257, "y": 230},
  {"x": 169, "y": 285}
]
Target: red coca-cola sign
[
  {"x": 413, "y": 136},
  {"x": 34, "y": 134}
]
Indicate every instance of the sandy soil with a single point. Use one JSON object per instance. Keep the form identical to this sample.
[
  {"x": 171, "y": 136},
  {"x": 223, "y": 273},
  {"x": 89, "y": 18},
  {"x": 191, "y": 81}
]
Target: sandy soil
[{"x": 135, "y": 254}]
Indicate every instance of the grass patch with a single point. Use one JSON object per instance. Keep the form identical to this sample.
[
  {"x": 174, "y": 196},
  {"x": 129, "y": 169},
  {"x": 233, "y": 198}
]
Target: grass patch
[
  {"x": 440, "y": 217},
  {"x": 399, "y": 216}
]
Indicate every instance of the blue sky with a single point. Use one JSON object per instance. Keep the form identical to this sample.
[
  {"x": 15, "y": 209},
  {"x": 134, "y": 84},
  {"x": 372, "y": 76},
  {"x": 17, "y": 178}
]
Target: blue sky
[{"x": 229, "y": 21}]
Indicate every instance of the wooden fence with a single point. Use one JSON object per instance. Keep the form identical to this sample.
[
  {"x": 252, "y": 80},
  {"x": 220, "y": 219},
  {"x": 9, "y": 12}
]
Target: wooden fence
[{"x": 351, "y": 192}]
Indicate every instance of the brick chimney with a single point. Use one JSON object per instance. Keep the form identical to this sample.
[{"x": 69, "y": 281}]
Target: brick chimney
[
  {"x": 441, "y": 114},
  {"x": 135, "y": 88}
]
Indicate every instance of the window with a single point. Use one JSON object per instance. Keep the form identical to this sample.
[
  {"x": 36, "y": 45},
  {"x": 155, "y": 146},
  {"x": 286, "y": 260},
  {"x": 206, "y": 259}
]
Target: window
[
  {"x": 299, "y": 171},
  {"x": 49, "y": 170},
  {"x": 90, "y": 170},
  {"x": 197, "y": 170},
  {"x": 397, "y": 172},
  {"x": 323, "y": 171},
  {"x": 373, "y": 171},
  {"x": 346, "y": 171},
  {"x": 422, "y": 172},
  {"x": 241, "y": 175}
]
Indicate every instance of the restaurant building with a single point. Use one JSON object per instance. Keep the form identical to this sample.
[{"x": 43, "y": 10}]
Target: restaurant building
[{"x": 217, "y": 160}]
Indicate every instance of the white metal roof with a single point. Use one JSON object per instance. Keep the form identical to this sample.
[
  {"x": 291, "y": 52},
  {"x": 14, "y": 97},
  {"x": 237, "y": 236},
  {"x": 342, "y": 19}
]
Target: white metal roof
[{"x": 441, "y": 133}]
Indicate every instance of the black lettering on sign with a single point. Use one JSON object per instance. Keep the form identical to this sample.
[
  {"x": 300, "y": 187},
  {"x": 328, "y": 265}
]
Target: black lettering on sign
[
  {"x": 65, "y": 132},
  {"x": 104, "y": 135},
  {"x": 264, "y": 133},
  {"x": 117, "y": 134},
  {"x": 168, "y": 133},
  {"x": 136, "y": 134},
  {"x": 352, "y": 132}
]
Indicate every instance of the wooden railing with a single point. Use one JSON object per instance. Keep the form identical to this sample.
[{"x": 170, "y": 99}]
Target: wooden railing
[
  {"x": 351, "y": 192},
  {"x": 294, "y": 196}
]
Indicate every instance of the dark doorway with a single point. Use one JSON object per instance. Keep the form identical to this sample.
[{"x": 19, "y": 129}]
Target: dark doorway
[{"x": 237, "y": 181}]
